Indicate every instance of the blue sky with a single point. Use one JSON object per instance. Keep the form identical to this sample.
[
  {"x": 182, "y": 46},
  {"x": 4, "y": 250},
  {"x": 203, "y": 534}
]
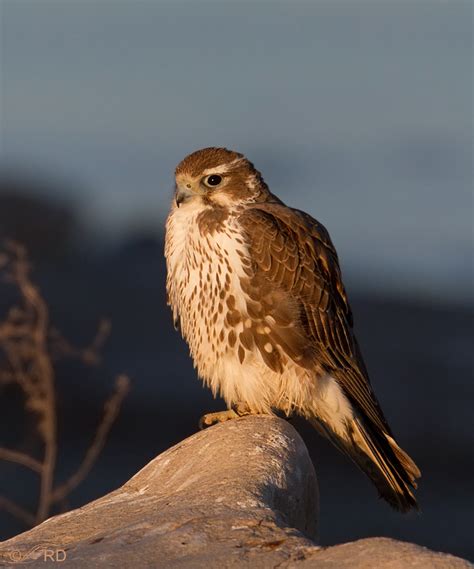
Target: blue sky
[{"x": 358, "y": 112}]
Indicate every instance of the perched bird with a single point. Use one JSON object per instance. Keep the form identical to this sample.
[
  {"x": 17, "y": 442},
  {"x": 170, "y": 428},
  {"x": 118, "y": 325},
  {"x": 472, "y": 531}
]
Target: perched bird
[{"x": 256, "y": 289}]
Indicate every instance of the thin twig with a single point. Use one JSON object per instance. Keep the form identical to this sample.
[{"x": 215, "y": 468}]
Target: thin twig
[
  {"x": 16, "y": 510},
  {"x": 21, "y": 458},
  {"x": 111, "y": 410},
  {"x": 90, "y": 354}
]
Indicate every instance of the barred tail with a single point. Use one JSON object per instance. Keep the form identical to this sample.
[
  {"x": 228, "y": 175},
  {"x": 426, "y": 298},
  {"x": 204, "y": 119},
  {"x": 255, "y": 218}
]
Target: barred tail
[{"x": 377, "y": 454}]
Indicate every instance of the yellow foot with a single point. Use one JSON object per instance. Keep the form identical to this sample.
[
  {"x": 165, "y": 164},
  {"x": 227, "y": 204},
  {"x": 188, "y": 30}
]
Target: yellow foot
[
  {"x": 239, "y": 409},
  {"x": 210, "y": 419}
]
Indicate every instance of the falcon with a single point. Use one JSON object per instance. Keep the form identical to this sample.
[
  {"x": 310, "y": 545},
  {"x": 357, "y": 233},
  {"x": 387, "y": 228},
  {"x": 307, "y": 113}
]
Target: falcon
[{"x": 256, "y": 290}]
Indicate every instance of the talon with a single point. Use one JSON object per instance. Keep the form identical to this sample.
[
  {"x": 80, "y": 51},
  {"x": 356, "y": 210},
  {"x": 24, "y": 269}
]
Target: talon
[
  {"x": 205, "y": 422},
  {"x": 210, "y": 419},
  {"x": 241, "y": 409}
]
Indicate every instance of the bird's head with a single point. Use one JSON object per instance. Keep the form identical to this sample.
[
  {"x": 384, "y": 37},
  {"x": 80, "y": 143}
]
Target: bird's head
[{"x": 219, "y": 177}]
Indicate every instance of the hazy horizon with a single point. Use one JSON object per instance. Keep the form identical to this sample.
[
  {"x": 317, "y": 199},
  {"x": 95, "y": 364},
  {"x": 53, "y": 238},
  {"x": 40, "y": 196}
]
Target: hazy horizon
[{"x": 359, "y": 113}]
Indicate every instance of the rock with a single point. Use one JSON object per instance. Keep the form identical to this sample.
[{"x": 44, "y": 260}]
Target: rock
[{"x": 242, "y": 493}]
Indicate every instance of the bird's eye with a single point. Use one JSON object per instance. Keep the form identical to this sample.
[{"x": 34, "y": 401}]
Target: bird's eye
[{"x": 213, "y": 180}]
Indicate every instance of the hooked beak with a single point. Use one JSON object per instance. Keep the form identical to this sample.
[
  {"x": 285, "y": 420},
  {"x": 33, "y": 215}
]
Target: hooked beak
[{"x": 182, "y": 194}]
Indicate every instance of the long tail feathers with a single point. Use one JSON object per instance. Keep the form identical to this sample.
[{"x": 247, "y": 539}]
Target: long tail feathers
[{"x": 377, "y": 454}]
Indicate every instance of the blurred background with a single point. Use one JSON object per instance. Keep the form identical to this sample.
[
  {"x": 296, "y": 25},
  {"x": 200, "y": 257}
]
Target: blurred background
[{"x": 358, "y": 112}]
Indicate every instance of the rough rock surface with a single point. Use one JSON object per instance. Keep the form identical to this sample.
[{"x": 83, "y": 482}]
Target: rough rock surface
[{"x": 240, "y": 494}]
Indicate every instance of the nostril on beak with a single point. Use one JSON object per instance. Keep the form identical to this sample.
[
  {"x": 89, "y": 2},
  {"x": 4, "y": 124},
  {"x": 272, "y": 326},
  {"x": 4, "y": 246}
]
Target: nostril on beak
[{"x": 183, "y": 193}]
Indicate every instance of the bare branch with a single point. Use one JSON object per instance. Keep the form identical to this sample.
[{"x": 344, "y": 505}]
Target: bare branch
[
  {"x": 90, "y": 355},
  {"x": 16, "y": 511},
  {"x": 111, "y": 410},
  {"x": 27, "y": 342},
  {"x": 21, "y": 458}
]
